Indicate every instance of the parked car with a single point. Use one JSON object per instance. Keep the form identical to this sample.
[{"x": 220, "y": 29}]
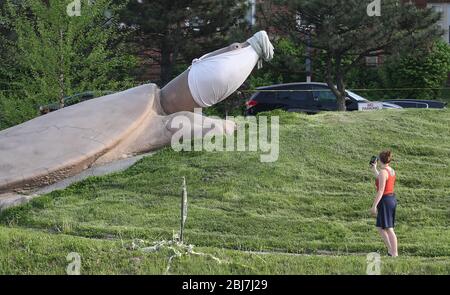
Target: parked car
[
  {"x": 306, "y": 97},
  {"x": 418, "y": 104}
]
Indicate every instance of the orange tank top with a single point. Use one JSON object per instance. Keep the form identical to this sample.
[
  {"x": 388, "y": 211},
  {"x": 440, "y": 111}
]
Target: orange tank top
[{"x": 390, "y": 183}]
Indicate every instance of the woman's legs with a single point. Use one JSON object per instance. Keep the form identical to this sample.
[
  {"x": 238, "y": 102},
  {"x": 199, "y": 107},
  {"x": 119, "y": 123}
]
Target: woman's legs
[
  {"x": 393, "y": 241},
  {"x": 385, "y": 237},
  {"x": 176, "y": 95}
]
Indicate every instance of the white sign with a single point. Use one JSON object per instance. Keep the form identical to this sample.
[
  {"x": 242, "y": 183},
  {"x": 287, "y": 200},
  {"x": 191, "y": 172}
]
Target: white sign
[{"x": 370, "y": 106}]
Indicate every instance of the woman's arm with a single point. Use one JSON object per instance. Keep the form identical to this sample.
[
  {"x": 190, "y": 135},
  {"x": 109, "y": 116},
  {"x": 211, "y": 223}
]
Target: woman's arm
[
  {"x": 374, "y": 169},
  {"x": 382, "y": 178}
]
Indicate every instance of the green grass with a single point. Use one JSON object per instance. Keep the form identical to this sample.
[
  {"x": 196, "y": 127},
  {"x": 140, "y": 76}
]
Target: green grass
[{"x": 313, "y": 201}]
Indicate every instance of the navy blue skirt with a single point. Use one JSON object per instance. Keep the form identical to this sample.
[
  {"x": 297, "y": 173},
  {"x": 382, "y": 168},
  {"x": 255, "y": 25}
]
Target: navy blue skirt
[{"x": 386, "y": 211}]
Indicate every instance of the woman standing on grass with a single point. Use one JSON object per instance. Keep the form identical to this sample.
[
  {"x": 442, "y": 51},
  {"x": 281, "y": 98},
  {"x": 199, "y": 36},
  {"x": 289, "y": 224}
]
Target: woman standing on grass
[{"x": 385, "y": 202}]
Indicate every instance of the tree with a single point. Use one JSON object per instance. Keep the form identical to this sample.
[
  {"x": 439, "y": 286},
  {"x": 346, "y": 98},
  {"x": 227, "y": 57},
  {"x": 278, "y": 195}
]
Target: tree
[
  {"x": 345, "y": 34},
  {"x": 287, "y": 66},
  {"x": 7, "y": 55},
  {"x": 181, "y": 28},
  {"x": 59, "y": 55},
  {"x": 426, "y": 69}
]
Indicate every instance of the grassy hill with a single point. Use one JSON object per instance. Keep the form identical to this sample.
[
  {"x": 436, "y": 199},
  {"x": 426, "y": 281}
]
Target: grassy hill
[{"x": 307, "y": 213}]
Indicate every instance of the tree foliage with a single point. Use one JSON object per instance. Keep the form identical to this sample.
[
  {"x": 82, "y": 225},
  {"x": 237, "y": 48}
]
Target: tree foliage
[
  {"x": 181, "y": 29},
  {"x": 48, "y": 54},
  {"x": 408, "y": 74},
  {"x": 59, "y": 55},
  {"x": 426, "y": 69},
  {"x": 7, "y": 54}
]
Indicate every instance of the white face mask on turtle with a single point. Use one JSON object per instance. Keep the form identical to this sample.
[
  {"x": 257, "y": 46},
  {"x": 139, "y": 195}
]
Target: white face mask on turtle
[{"x": 214, "y": 78}]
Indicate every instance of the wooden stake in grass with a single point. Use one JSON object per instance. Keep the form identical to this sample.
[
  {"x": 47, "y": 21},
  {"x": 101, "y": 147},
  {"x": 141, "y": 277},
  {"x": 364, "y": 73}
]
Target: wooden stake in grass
[{"x": 183, "y": 208}]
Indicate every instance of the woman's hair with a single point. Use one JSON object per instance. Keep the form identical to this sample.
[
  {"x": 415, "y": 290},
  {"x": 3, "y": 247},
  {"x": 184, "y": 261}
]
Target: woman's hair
[{"x": 386, "y": 157}]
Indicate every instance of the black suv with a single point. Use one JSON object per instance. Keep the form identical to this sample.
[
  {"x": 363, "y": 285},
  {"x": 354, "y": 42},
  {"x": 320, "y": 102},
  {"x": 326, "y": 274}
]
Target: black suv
[{"x": 303, "y": 97}]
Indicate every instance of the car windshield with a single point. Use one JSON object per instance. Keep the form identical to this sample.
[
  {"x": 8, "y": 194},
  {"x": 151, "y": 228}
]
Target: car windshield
[{"x": 356, "y": 96}]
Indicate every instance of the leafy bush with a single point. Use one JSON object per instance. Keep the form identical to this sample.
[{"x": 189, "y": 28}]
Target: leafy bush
[
  {"x": 411, "y": 71},
  {"x": 419, "y": 70},
  {"x": 15, "y": 109},
  {"x": 55, "y": 55},
  {"x": 287, "y": 66},
  {"x": 365, "y": 77}
]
